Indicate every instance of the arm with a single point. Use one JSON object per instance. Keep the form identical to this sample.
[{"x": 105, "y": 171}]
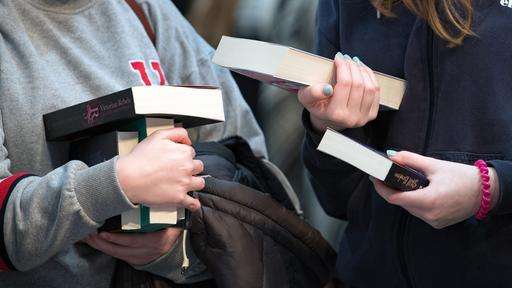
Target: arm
[
  {"x": 335, "y": 181},
  {"x": 42, "y": 215}
]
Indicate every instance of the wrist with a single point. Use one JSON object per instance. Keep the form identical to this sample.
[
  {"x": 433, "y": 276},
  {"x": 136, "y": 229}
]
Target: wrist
[
  {"x": 124, "y": 179},
  {"x": 495, "y": 187},
  {"x": 320, "y": 125}
]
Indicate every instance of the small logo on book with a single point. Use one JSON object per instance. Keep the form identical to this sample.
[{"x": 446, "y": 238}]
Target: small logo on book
[
  {"x": 506, "y": 3},
  {"x": 91, "y": 114},
  {"x": 407, "y": 181}
]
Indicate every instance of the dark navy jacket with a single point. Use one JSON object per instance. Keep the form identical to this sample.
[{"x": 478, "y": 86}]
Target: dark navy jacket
[{"x": 458, "y": 107}]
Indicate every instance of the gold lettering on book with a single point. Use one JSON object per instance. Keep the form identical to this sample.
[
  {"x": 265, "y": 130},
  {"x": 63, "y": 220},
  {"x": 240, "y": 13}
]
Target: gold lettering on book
[{"x": 407, "y": 181}]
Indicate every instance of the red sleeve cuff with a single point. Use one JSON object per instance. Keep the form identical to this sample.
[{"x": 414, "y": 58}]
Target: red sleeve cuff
[{"x": 6, "y": 187}]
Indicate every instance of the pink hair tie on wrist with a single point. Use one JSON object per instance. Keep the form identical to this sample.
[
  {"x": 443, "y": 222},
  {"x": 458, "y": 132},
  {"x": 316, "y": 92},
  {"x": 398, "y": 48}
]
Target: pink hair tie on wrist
[{"x": 485, "y": 203}]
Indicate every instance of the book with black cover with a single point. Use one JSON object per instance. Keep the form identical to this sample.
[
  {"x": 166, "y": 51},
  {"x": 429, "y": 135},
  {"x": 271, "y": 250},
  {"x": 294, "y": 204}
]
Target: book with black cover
[
  {"x": 371, "y": 162},
  {"x": 191, "y": 106}
]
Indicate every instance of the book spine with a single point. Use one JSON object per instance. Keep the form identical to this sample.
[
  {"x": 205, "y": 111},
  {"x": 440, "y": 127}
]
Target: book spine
[
  {"x": 405, "y": 179},
  {"x": 91, "y": 117}
]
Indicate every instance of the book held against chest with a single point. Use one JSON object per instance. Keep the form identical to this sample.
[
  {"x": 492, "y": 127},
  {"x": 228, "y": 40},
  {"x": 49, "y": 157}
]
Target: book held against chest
[
  {"x": 102, "y": 147},
  {"x": 371, "y": 162},
  {"x": 112, "y": 125},
  {"x": 291, "y": 68}
]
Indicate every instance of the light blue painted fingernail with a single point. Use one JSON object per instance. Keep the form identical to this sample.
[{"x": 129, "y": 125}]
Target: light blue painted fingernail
[
  {"x": 328, "y": 90},
  {"x": 338, "y": 55},
  {"x": 391, "y": 153},
  {"x": 356, "y": 59},
  {"x": 347, "y": 57}
]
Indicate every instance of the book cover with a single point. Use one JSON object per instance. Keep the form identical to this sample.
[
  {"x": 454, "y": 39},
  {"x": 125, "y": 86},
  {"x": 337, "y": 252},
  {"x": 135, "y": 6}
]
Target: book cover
[{"x": 191, "y": 106}]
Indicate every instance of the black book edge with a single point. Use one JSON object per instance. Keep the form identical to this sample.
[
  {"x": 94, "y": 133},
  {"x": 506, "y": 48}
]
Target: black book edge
[
  {"x": 104, "y": 114},
  {"x": 404, "y": 178}
]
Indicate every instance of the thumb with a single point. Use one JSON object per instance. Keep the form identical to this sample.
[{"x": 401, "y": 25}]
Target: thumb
[
  {"x": 314, "y": 93},
  {"x": 413, "y": 160},
  {"x": 178, "y": 135}
]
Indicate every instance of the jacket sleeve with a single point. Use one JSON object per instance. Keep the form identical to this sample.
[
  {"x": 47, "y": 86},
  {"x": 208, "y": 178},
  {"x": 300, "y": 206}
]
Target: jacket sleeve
[
  {"x": 333, "y": 180},
  {"x": 504, "y": 172},
  {"x": 42, "y": 215}
]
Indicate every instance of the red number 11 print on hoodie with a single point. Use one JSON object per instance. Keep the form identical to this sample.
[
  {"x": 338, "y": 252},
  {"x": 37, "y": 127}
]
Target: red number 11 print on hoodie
[{"x": 139, "y": 66}]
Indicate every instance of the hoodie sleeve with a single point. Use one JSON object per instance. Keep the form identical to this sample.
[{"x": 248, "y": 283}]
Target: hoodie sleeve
[{"x": 42, "y": 215}]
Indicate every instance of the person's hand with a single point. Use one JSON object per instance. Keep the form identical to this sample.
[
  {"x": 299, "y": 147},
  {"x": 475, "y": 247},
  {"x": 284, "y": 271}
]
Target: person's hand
[
  {"x": 453, "y": 195},
  {"x": 161, "y": 170},
  {"x": 352, "y": 103},
  {"x": 135, "y": 249}
]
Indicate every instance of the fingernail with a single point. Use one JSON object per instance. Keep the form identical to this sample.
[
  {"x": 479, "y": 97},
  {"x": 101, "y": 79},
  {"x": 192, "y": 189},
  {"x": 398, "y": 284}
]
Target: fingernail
[
  {"x": 328, "y": 90},
  {"x": 338, "y": 55},
  {"x": 391, "y": 153},
  {"x": 347, "y": 57},
  {"x": 356, "y": 59}
]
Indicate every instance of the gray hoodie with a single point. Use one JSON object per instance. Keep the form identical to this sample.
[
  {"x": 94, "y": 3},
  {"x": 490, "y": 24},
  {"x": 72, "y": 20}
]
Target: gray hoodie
[{"x": 56, "y": 53}]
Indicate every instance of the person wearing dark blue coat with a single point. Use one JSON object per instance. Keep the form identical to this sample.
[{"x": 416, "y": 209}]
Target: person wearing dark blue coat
[{"x": 456, "y": 57}]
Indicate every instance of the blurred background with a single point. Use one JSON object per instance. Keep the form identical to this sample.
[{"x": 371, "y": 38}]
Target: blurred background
[{"x": 287, "y": 22}]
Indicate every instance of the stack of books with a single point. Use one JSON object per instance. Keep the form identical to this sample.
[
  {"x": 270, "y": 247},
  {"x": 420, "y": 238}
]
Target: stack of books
[{"x": 112, "y": 125}]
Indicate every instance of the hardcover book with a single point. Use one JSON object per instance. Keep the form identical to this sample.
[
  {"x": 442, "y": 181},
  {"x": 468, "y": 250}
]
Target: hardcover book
[
  {"x": 292, "y": 69},
  {"x": 191, "y": 106},
  {"x": 371, "y": 162}
]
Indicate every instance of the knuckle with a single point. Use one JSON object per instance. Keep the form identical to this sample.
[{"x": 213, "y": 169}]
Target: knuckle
[
  {"x": 345, "y": 83},
  {"x": 337, "y": 116},
  {"x": 371, "y": 89},
  {"x": 181, "y": 130},
  {"x": 351, "y": 122},
  {"x": 185, "y": 182},
  {"x": 358, "y": 84}
]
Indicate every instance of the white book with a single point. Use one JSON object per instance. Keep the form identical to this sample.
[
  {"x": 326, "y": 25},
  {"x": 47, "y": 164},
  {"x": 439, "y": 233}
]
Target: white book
[{"x": 291, "y": 68}]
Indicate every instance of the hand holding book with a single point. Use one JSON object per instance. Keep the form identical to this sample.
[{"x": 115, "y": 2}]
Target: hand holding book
[
  {"x": 161, "y": 171},
  {"x": 352, "y": 103},
  {"x": 453, "y": 195}
]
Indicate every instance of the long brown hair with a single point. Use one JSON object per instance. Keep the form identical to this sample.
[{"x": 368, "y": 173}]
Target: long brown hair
[{"x": 450, "y": 19}]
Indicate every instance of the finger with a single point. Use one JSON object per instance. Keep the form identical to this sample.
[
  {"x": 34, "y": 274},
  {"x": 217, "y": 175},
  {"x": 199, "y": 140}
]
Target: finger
[
  {"x": 198, "y": 167},
  {"x": 356, "y": 92},
  {"x": 196, "y": 184},
  {"x": 112, "y": 249},
  {"x": 191, "y": 203},
  {"x": 409, "y": 200},
  {"x": 178, "y": 135},
  {"x": 343, "y": 84},
  {"x": 127, "y": 240},
  {"x": 376, "y": 98},
  {"x": 314, "y": 93},
  {"x": 415, "y": 161},
  {"x": 369, "y": 91},
  {"x": 189, "y": 151}
]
